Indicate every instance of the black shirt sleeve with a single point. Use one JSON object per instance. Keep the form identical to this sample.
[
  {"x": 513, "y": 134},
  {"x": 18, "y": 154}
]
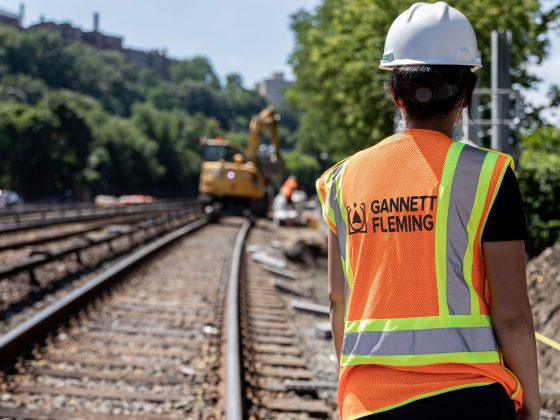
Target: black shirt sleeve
[{"x": 506, "y": 220}]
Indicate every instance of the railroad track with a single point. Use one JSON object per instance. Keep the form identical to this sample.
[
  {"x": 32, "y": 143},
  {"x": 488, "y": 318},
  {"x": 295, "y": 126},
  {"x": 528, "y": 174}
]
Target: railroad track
[
  {"x": 149, "y": 349},
  {"x": 277, "y": 382},
  {"x": 161, "y": 344},
  {"x": 48, "y": 272},
  {"x": 34, "y": 238},
  {"x": 23, "y": 220},
  {"x": 183, "y": 328}
]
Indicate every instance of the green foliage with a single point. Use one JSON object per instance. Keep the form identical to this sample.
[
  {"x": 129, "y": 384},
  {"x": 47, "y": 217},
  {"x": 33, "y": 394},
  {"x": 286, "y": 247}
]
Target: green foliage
[
  {"x": 73, "y": 117},
  {"x": 196, "y": 96},
  {"x": 126, "y": 159},
  {"x": 304, "y": 167},
  {"x": 38, "y": 53},
  {"x": 539, "y": 181},
  {"x": 22, "y": 87},
  {"x": 339, "y": 87},
  {"x": 197, "y": 69},
  {"x": 177, "y": 135},
  {"x": 44, "y": 147},
  {"x": 242, "y": 103},
  {"x": 104, "y": 75},
  {"x": 43, "y": 55}
]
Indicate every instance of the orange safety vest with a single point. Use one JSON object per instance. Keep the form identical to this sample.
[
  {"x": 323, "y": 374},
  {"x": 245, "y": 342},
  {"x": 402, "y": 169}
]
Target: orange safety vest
[
  {"x": 288, "y": 188},
  {"x": 409, "y": 213}
]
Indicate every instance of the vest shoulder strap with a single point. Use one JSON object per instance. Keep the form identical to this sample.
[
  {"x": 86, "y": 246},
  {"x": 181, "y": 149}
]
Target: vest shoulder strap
[{"x": 329, "y": 190}]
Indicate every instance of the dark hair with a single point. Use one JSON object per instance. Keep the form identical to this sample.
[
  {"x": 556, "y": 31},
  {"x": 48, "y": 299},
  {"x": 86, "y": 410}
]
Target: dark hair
[{"x": 429, "y": 91}]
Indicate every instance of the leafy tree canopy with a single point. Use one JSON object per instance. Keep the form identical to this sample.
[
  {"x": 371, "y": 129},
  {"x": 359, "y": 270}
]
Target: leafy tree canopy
[
  {"x": 75, "y": 118},
  {"x": 539, "y": 180},
  {"x": 339, "y": 87}
]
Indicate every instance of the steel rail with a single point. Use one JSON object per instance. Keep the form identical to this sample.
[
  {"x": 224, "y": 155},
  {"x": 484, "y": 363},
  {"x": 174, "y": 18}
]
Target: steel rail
[
  {"x": 117, "y": 219},
  {"x": 93, "y": 214},
  {"x": 40, "y": 258},
  {"x": 40, "y": 209},
  {"x": 234, "y": 397},
  {"x": 19, "y": 339}
]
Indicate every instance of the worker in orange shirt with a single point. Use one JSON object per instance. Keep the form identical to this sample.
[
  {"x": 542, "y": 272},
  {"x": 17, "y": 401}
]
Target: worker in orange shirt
[
  {"x": 289, "y": 186},
  {"x": 429, "y": 307}
]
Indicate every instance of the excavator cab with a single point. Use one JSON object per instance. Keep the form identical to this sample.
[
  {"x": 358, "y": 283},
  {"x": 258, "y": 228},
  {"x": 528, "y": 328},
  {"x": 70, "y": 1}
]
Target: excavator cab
[{"x": 218, "y": 149}]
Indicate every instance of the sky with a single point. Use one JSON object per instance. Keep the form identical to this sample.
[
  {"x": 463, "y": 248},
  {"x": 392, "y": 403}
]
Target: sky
[{"x": 250, "y": 37}]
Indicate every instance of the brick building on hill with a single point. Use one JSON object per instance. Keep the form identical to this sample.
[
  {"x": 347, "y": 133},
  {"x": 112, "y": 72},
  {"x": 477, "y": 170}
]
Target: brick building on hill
[
  {"x": 155, "y": 60},
  {"x": 11, "y": 19}
]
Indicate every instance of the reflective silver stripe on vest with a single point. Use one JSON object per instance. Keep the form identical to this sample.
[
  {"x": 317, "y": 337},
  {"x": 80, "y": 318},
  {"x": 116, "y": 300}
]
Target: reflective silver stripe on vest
[
  {"x": 411, "y": 342},
  {"x": 333, "y": 202},
  {"x": 463, "y": 190}
]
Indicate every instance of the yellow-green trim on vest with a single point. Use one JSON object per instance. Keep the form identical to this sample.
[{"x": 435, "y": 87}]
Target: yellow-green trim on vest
[
  {"x": 350, "y": 274},
  {"x": 421, "y": 359},
  {"x": 517, "y": 382},
  {"x": 329, "y": 210},
  {"x": 423, "y": 323},
  {"x": 444, "y": 195},
  {"x": 474, "y": 222},
  {"x": 508, "y": 162},
  {"x": 421, "y": 396}
]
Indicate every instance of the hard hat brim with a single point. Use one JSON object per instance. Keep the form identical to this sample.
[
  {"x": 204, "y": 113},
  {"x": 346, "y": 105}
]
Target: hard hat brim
[{"x": 389, "y": 65}]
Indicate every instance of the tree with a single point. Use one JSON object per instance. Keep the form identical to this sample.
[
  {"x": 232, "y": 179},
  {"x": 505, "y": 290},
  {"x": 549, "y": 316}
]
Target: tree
[
  {"x": 123, "y": 160},
  {"x": 177, "y": 135},
  {"x": 338, "y": 47},
  {"x": 198, "y": 69},
  {"x": 105, "y": 75},
  {"x": 304, "y": 167},
  {"x": 22, "y": 87},
  {"x": 44, "y": 147},
  {"x": 73, "y": 117},
  {"x": 242, "y": 103},
  {"x": 539, "y": 181},
  {"x": 39, "y": 53},
  {"x": 197, "y": 97}
]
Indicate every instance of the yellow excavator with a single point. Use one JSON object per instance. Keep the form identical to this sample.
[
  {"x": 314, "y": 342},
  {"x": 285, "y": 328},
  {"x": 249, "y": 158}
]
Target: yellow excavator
[{"x": 230, "y": 177}]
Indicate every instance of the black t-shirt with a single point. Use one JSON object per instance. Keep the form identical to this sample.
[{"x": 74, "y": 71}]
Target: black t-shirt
[{"x": 506, "y": 220}]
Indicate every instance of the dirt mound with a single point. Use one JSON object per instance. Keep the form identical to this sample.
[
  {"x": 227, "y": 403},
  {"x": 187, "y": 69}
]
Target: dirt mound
[{"x": 543, "y": 281}]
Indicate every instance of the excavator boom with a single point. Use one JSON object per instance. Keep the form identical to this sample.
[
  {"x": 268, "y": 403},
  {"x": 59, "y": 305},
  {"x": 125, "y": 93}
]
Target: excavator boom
[{"x": 271, "y": 164}]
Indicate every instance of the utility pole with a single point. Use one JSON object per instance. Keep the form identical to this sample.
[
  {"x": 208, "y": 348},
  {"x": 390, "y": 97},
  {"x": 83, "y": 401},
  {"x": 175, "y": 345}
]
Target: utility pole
[
  {"x": 502, "y": 138},
  {"x": 472, "y": 129}
]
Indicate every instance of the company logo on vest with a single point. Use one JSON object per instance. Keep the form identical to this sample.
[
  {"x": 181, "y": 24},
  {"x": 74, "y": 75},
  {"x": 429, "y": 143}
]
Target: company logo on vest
[{"x": 356, "y": 217}]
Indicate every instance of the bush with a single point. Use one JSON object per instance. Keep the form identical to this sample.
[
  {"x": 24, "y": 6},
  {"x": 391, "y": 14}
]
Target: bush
[
  {"x": 305, "y": 167},
  {"x": 539, "y": 181}
]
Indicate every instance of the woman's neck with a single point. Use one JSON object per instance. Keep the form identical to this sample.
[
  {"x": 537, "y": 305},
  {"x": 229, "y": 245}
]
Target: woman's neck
[{"x": 444, "y": 127}]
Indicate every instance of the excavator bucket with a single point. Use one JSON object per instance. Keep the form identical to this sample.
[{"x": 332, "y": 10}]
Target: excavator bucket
[{"x": 271, "y": 165}]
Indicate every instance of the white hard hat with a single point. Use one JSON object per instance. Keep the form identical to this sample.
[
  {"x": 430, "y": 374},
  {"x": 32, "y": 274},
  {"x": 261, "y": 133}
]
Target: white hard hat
[{"x": 430, "y": 34}]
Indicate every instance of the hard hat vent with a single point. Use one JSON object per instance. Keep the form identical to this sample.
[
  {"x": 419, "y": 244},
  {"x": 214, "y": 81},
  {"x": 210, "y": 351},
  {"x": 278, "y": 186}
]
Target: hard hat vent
[
  {"x": 411, "y": 10},
  {"x": 443, "y": 11}
]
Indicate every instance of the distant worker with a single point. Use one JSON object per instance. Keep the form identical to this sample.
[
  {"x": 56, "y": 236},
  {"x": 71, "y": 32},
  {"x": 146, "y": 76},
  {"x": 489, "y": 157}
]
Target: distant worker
[
  {"x": 429, "y": 307},
  {"x": 289, "y": 186}
]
